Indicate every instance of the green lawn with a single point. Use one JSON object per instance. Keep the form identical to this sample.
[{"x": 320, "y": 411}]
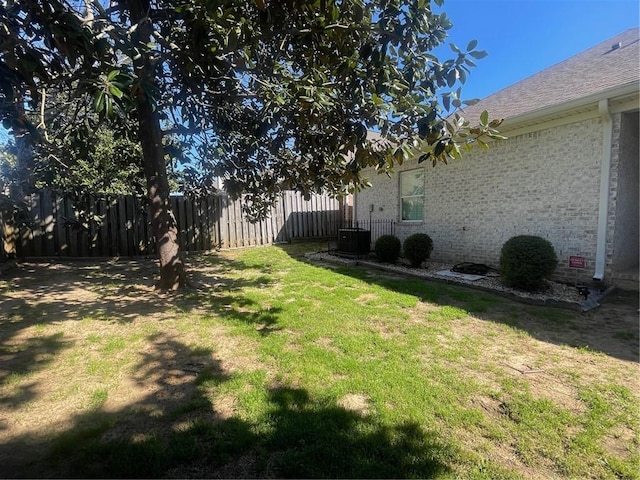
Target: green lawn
[{"x": 274, "y": 367}]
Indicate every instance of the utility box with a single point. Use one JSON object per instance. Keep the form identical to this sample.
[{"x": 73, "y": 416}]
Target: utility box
[{"x": 354, "y": 241}]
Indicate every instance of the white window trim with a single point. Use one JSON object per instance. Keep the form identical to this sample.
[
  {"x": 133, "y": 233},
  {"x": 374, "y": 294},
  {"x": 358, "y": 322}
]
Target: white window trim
[{"x": 402, "y": 197}]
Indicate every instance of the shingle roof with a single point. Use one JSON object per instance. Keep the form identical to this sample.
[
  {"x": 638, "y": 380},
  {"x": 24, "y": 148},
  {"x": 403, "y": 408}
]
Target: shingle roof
[{"x": 612, "y": 63}]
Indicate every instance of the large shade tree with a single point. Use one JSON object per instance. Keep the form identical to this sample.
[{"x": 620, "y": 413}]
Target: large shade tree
[{"x": 271, "y": 94}]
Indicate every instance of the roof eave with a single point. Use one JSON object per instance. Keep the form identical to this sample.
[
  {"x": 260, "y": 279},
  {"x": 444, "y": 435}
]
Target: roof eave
[{"x": 539, "y": 115}]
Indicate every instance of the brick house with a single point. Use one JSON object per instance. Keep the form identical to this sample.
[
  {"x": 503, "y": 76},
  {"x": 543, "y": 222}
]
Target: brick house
[{"x": 568, "y": 172}]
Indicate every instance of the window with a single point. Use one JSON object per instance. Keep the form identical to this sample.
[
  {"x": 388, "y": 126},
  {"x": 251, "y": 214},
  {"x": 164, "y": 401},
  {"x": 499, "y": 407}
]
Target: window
[{"x": 412, "y": 195}]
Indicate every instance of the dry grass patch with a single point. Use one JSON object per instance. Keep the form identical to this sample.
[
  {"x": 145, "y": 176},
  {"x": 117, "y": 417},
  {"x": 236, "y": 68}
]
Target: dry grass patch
[{"x": 355, "y": 402}]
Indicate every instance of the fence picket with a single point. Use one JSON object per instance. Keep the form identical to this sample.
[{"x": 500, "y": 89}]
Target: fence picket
[
  {"x": 48, "y": 223},
  {"x": 82, "y": 233},
  {"x": 214, "y": 219},
  {"x": 122, "y": 227},
  {"x": 203, "y": 223},
  {"x": 94, "y": 228}
]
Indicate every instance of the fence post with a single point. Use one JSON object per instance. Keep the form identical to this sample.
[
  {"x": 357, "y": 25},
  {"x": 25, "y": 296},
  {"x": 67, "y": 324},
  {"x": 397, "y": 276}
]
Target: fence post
[
  {"x": 48, "y": 220},
  {"x": 3, "y": 243},
  {"x": 122, "y": 227},
  {"x": 285, "y": 218},
  {"x": 83, "y": 234},
  {"x": 215, "y": 207},
  {"x": 2, "y": 254},
  {"x": 224, "y": 222}
]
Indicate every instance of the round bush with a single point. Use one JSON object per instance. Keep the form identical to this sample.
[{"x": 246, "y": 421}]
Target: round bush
[
  {"x": 387, "y": 248},
  {"x": 525, "y": 261},
  {"x": 417, "y": 248}
]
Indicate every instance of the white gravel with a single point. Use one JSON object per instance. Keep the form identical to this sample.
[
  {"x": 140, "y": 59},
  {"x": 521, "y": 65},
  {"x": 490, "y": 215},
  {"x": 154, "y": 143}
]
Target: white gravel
[{"x": 557, "y": 292}]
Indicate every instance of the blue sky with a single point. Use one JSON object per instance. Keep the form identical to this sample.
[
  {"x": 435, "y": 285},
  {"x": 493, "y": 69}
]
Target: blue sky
[{"x": 523, "y": 37}]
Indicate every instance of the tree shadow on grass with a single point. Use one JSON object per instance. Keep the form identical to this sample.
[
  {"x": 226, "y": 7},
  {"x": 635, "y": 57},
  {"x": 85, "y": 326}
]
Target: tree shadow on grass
[
  {"x": 176, "y": 430},
  {"x": 133, "y": 436},
  {"x": 21, "y": 355},
  {"x": 611, "y": 329},
  {"x": 49, "y": 294},
  {"x": 315, "y": 440},
  {"x": 115, "y": 291},
  {"x": 28, "y": 356}
]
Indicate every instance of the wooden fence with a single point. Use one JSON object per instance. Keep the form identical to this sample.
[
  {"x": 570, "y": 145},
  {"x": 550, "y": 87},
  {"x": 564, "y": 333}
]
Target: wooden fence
[{"x": 58, "y": 225}]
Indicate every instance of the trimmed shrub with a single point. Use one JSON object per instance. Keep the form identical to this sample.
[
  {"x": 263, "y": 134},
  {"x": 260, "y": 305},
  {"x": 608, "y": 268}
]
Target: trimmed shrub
[
  {"x": 387, "y": 248},
  {"x": 417, "y": 248},
  {"x": 525, "y": 261}
]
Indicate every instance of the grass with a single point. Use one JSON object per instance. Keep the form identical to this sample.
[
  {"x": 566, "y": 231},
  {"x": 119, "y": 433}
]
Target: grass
[
  {"x": 277, "y": 367},
  {"x": 626, "y": 335}
]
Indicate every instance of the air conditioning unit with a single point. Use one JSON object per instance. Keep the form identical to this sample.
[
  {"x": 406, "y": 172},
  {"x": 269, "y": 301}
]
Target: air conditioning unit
[{"x": 354, "y": 241}]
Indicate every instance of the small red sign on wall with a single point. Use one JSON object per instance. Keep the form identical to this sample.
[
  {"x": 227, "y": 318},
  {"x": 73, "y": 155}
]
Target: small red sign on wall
[{"x": 577, "y": 262}]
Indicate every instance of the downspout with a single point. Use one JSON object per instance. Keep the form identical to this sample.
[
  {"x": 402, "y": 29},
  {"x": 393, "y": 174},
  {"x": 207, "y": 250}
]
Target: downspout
[{"x": 605, "y": 176}]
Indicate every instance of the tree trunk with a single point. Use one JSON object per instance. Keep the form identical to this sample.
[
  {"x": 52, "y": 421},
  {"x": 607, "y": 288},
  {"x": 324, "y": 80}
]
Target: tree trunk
[{"x": 165, "y": 230}]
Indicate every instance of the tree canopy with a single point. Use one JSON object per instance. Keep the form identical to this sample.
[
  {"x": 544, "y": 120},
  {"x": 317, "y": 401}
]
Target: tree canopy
[{"x": 269, "y": 95}]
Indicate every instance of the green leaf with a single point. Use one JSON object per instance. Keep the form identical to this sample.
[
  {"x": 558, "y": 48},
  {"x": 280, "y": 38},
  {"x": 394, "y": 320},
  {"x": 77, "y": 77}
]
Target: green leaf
[
  {"x": 452, "y": 77},
  {"x": 108, "y": 106},
  {"x": 361, "y": 132},
  {"x": 98, "y": 102},
  {"x": 482, "y": 144},
  {"x": 398, "y": 156},
  {"x": 358, "y": 13},
  {"x": 454, "y": 151},
  {"x": 462, "y": 75},
  {"x": 424, "y": 158},
  {"x": 484, "y": 117},
  {"x": 478, "y": 54},
  {"x": 112, "y": 74},
  {"x": 446, "y": 102},
  {"x": 29, "y": 62},
  {"x": 497, "y": 136},
  {"x": 232, "y": 40},
  {"x": 115, "y": 91},
  {"x": 471, "y": 45}
]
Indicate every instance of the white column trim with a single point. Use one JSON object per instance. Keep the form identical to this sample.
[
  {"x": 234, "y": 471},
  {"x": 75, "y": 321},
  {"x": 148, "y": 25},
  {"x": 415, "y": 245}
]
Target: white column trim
[{"x": 605, "y": 180}]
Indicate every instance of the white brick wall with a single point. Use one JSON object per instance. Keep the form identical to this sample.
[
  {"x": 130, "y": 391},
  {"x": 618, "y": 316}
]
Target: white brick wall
[{"x": 543, "y": 183}]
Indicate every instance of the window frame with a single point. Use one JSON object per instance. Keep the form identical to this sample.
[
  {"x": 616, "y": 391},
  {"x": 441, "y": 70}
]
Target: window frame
[{"x": 403, "y": 197}]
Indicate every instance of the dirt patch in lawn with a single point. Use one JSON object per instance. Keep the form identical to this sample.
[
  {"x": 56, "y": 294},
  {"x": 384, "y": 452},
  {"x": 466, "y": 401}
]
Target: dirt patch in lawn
[{"x": 355, "y": 402}]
